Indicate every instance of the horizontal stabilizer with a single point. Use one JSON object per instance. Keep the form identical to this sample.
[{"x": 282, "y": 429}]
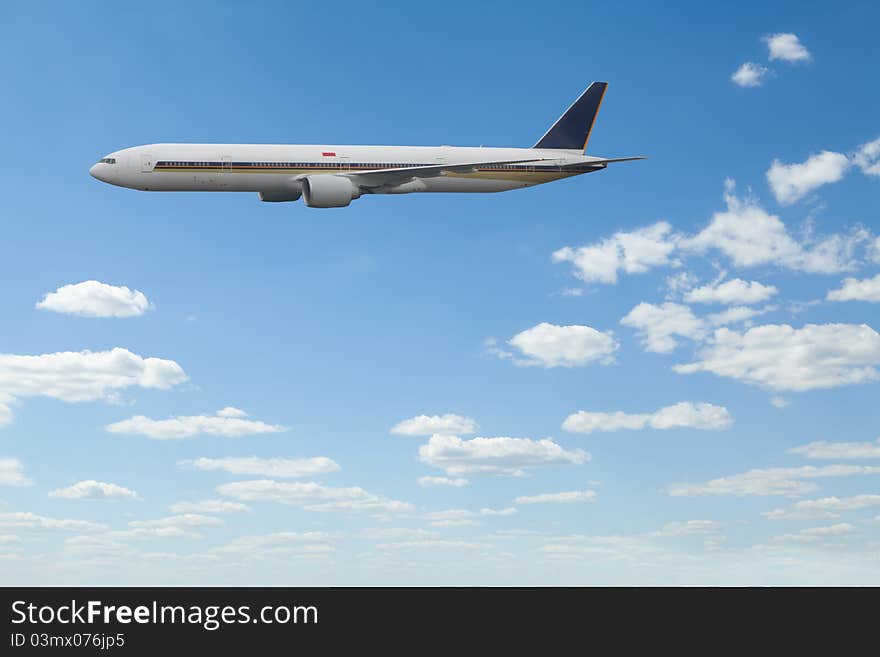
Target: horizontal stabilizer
[{"x": 618, "y": 159}]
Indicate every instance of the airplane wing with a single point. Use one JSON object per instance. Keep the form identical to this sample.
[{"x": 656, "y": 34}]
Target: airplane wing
[{"x": 382, "y": 177}]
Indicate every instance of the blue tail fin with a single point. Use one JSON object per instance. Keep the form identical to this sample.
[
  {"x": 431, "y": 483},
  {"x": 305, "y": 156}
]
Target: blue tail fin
[{"x": 572, "y": 129}]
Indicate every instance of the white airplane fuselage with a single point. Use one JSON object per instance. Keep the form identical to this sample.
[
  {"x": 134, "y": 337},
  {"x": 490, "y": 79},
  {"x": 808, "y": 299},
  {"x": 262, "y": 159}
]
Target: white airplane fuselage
[
  {"x": 332, "y": 176},
  {"x": 275, "y": 170}
]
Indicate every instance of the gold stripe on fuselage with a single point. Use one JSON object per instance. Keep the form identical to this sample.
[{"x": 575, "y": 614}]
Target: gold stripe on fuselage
[{"x": 536, "y": 177}]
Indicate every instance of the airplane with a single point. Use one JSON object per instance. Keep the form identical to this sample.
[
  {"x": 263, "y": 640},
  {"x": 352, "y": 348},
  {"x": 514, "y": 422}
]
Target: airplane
[{"x": 333, "y": 176}]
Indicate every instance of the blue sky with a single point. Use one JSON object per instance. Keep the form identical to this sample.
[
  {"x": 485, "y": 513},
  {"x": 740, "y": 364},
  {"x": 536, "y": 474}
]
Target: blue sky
[{"x": 331, "y": 327}]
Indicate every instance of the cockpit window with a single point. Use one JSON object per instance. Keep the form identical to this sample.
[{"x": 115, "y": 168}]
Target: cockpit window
[{"x": 108, "y": 160}]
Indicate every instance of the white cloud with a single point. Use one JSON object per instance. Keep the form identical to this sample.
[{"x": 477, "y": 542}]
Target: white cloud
[
  {"x": 28, "y": 520},
  {"x": 458, "y": 482},
  {"x": 187, "y": 426},
  {"x": 853, "y": 289},
  {"x": 784, "y": 358},
  {"x": 779, "y": 402},
  {"x": 750, "y": 74},
  {"x": 312, "y": 496},
  {"x": 435, "y": 544},
  {"x": 503, "y": 456},
  {"x": 267, "y": 467},
  {"x": 5, "y": 409},
  {"x": 736, "y": 315},
  {"x": 822, "y": 449},
  {"x": 825, "y": 507},
  {"x": 681, "y": 415},
  {"x": 94, "y": 299},
  {"x": 550, "y": 345},
  {"x": 278, "y": 544},
  {"x": 391, "y": 533},
  {"x": 428, "y": 425},
  {"x": 463, "y": 517},
  {"x": 657, "y": 325},
  {"x": 814, "y": 534},
  {"x": 681, "y": 281},
  {"x": 12, "y": 473},
  {"x": 787, "y": 47},
  {"x": 566, "y": 497},
  {"x": 152, "y": 532},
  {"x": 79, "y": 376},
  {"x": 867, "y": 158},
  {"x": 791, "y": 182},
  {"x": 688, "y": 528},
  {"x": 94, "y": 490},
  {"x": 750, "y": 236},
  {"x": 734, "y": 291},
  {"x": 182, "y": 520},
  {"x": 208, "y": 506},
  {"x": 231, "y": 411},
  {"x": 631, "y": 252},
  {"x": 770, "y": 481}
]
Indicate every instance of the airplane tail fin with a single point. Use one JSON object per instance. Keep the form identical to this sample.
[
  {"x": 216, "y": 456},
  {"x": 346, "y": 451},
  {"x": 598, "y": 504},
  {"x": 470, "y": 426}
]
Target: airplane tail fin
[{"x": 572, "y": 130}]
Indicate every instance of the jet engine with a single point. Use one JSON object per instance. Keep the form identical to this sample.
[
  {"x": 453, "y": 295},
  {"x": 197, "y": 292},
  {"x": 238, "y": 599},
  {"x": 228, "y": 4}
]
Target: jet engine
[{"x": 328, "y": 191}]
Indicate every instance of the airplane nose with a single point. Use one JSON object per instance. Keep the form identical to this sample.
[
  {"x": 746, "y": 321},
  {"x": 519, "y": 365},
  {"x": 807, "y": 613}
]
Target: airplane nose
[{"x": 93, "y": 171}]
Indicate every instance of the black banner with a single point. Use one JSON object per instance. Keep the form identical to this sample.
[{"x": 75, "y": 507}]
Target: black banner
[{"x": 137, "y": 621}]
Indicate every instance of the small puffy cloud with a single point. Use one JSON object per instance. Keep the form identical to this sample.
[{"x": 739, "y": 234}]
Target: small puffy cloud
[
  {"x": 681, "y": 281},
  {"x": 780, "y": 357},
  {"x": 463, "y": 517},
  {"x": 182, "y": 520},
  {"x": 398, "y": 533},
  {"x": 688, "y": 528},
  {"x": 549, "y": 345},
  {"x": 457, "y": 482},
  {"x": 680, "y": 415},
  {"x": 267, "y": 467},
  {"x": 736, "y": 315},
  {"x": 788, "y": 482},
  {"x": 12, "y": 473},
  {"x": 867, "y": 158},
  {"x": 750, "y": 74},
  {"x": 791, "y": 182},
  {"x": 501, "y": 456},
  {"x": 435, "y": 544},
  {"x": 94, "y": 299},
  {"x": 94, "y": 490},
  {"x": 566, "y": 497},
  {"x": 80, "y": 376},
  {"x": 826, "y": 507},
  {"x": 658, "y": 325},
  {"x": 428, "y": 425},
  {"x": 312, "y": 496},
  {"x": 32, "y": 521},
  {"x": 630, "y": 252},
  {"x": 822, "y": 449},
  {"x": 750, "y": 236},
  {"x": 853, "y": 289},
  {"x": 208, "y": 506},
  {"x": 787, "y": 47},
  {"x": 231, "y": 411},
  {"x": 814, "y": 534},
  {"x": 734, "y": 291},
  {"x": 780, "y": 402},
  {"x": 5, "y": 409},
  {"x": 279, "y": 544},
  {"x": 187, "y": 426}
]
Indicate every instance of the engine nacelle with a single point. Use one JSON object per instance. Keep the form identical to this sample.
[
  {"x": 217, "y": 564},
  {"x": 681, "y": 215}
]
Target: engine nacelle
[{"x": 329, "y": 191}]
